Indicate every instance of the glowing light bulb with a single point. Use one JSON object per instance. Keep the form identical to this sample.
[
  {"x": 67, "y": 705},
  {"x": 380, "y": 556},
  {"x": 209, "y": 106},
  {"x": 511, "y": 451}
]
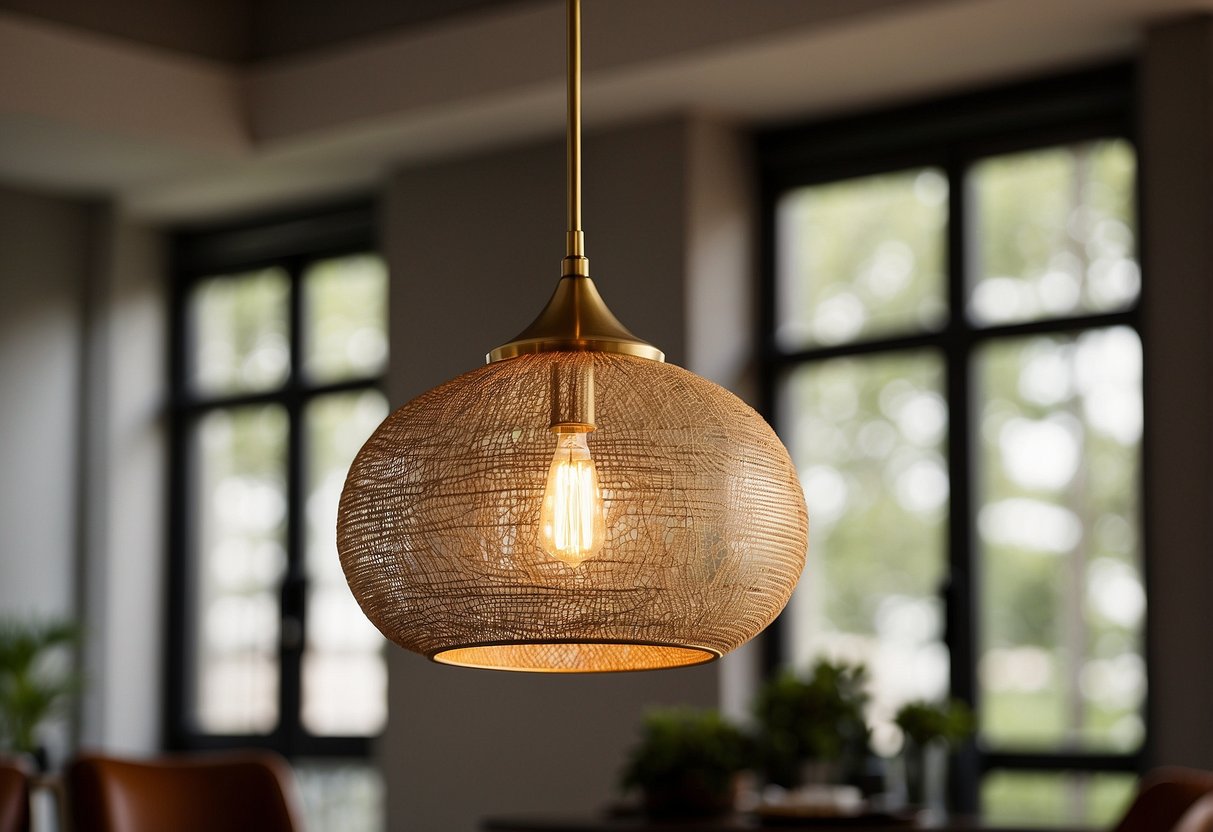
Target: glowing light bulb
[{"x": 572, "y": 522}]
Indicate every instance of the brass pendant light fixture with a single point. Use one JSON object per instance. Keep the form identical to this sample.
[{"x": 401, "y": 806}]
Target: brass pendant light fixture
[{"x": 577, "y": 504}]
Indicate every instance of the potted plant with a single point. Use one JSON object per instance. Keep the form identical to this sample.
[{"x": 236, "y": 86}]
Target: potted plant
[
  {"x": 686, "y": 763},
  {"x": 36, "y": 682},
  {"x": 930, "y": 730},
  {"x": 812, "y": 728}
]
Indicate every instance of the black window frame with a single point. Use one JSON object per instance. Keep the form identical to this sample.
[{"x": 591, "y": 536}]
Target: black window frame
[
  {"x": 950, "y": 134},
  {"x": 291, "y": 242}
]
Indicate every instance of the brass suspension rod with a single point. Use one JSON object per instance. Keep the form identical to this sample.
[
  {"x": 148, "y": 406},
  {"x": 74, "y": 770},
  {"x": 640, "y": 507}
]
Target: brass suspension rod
[
  {"x": 575, "y": 319},
  {"x": 575, "y": 261}
]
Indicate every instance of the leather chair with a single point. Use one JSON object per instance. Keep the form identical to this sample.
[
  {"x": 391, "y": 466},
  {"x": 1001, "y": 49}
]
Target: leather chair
[
  {"x": 1164, "y": 798},
  {"x": 14, "y": 796},
  {"x": 1199, "y": 818},
  {"x": 241, "y": 792}
]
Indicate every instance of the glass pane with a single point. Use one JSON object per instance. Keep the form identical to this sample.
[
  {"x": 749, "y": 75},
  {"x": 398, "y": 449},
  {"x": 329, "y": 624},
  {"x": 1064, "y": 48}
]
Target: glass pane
[
  {"x": 240, "y": 515},
  {"x": 1056, "y": 233},
  {"x": 344, "y": 675},
  {"x": 867, "y": 436},
  {"x": 1062, "y": 599},
  {"x": 345, "y": 318},
  {"x": 340, "y": 796},
  {"x": 1093, "y": 801},
  {"x": 861, "y": 258},
  {"x": 240, "y": 332}
]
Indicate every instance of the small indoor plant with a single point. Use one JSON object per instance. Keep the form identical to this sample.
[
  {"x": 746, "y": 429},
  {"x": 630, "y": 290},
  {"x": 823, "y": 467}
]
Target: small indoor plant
[
  {"x": 36, "y": 681},
  {"x": 930, "y": 730},
  {"x": 812, "y": 728},
  {"x": 686, "y": 763}
]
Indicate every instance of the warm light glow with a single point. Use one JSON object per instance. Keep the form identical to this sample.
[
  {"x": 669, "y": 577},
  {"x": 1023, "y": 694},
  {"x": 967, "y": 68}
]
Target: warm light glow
[{"x": 573, "y": 520}]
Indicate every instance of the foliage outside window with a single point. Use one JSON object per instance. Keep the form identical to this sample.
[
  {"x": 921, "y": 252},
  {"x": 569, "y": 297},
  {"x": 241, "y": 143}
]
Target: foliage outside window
[
  {"x": 997, "y": 291},
  {"x": 277, "y": 377}
]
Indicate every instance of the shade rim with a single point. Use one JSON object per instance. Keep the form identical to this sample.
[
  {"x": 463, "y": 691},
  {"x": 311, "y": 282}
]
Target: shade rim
[{"x": 476, "y": 655}]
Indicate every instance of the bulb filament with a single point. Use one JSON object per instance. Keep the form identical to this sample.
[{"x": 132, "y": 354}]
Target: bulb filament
[{"x": 573, "y": 519}]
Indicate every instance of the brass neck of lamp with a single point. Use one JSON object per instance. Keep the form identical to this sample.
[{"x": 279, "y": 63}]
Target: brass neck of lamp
[
  {"x": 576, "y": 319},
  {"x": 575, "y": 262}
]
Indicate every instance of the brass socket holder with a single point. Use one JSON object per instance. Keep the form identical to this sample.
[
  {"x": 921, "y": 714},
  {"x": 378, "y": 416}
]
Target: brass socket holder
[{"x": 572, "y": 397}]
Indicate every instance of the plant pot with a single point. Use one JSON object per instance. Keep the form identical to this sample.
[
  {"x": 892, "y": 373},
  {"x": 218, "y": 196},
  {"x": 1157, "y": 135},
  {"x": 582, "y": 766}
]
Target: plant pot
[
  {"x": 690, "y": 798},
  {"x": 925, "y": 773},
  {"x": 792, "y": 773},
  {"x": 821, "y": 773}
]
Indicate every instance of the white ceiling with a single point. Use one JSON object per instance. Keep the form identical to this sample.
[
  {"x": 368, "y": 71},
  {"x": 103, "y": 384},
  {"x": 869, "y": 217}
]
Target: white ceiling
[{"x": 174, "y": 136}]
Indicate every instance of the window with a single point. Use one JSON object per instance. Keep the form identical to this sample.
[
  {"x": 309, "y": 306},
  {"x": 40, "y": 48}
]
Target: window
[
  {"x": 279, "y": 350},
  {"x": 953, "y": 358}
]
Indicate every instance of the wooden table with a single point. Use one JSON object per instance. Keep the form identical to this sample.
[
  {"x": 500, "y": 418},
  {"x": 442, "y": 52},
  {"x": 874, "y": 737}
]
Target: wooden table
[{"x": 738, "y": 823}]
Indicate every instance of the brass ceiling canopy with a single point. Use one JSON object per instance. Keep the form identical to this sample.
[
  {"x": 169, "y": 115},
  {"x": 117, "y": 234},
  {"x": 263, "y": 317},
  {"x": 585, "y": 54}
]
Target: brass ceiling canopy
[{"x": 576, "y": 505}]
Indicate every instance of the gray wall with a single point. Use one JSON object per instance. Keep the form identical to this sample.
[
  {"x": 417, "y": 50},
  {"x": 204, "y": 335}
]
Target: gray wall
[
  {"x": 44, "y": 247},
  {"x": 1176, "y": 134},
  {"x": 721, "y": 308},
  {"x": 81, "y": 448},
  {"x": 474, "y": 247},
  {"x": 43, "y": 262},
  {"x": 124, "y": 438}
]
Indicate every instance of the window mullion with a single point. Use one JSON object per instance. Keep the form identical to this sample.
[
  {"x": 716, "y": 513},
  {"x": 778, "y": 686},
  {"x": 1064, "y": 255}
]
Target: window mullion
[
  {"x": 1073, "y": 761},
  {"x": 177, "y": 666},
  {"x": 960, "y": 593},
  {"x": 773, "y": 640},
  {"x": 294, "y": 589}
]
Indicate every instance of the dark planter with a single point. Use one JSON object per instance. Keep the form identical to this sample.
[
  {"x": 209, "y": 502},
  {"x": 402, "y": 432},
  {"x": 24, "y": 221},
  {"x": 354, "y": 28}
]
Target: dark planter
[{"x": 692, "y": 797}]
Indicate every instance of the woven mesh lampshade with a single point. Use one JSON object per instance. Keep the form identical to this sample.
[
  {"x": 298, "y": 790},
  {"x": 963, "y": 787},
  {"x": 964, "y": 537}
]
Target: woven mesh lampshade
[{"x": 705, "y": 521}]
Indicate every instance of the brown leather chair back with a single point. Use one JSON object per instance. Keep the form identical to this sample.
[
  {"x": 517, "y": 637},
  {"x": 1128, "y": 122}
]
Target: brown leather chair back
[
  {"x": 1165, "y": 796},
  {"x": 14, "y": 796},
  {"x": 1199, "y": 818},
  {"x": 245, "y": 792}
]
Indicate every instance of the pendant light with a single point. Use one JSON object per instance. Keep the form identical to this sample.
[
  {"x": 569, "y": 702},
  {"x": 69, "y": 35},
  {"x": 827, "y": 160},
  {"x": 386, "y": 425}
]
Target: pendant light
[{"x": 577, "y": 504}]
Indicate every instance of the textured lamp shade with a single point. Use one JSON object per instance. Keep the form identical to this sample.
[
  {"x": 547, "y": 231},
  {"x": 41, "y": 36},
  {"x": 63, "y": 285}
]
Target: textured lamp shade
[{"x": 706, "y": 529}]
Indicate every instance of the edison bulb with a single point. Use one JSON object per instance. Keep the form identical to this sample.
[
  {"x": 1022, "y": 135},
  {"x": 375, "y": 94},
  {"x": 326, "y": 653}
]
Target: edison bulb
[{"x": 573, "y": 520}]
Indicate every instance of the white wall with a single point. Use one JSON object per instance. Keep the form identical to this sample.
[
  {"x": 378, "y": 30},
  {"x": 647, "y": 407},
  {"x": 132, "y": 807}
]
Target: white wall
[{"x": 474, "y": 248}]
